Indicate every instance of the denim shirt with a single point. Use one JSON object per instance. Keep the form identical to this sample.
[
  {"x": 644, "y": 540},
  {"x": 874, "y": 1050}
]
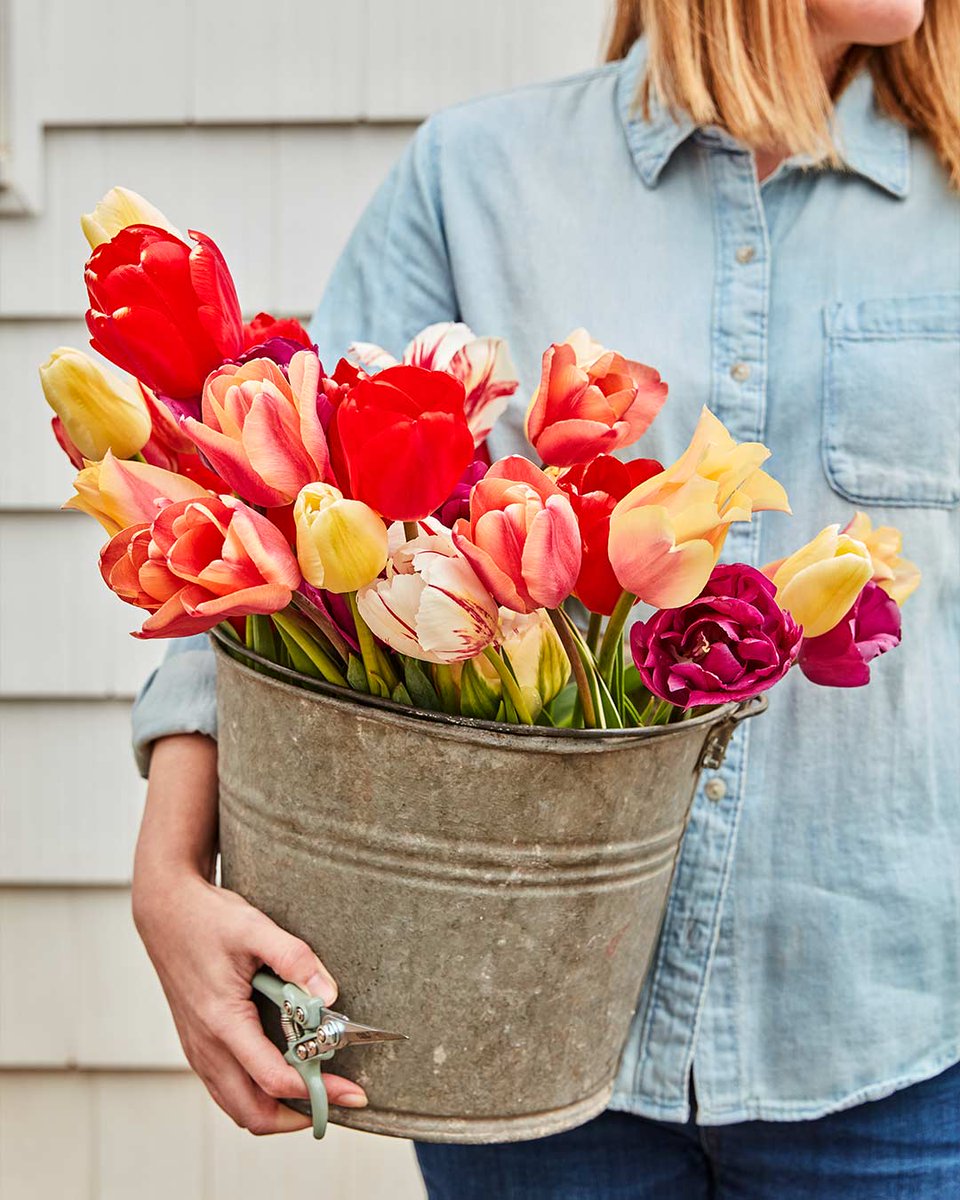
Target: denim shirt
[{"x": 810, "y": 955}]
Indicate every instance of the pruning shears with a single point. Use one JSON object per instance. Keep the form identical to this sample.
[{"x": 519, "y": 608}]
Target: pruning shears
[{"x": 314, "y": 1034}]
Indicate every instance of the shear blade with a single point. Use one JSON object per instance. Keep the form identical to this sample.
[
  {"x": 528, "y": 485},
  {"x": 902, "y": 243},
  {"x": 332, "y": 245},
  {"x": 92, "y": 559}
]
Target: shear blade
[{"x": 353, "y": 1033}]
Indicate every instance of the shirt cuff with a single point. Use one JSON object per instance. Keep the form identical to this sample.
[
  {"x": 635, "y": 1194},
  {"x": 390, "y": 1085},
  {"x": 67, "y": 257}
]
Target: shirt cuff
[{"x": 180, "y": 696}]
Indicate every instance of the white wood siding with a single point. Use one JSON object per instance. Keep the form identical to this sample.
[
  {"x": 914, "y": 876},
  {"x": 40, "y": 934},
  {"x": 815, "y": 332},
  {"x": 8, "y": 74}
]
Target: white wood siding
[{"x": 269, "y": 127}]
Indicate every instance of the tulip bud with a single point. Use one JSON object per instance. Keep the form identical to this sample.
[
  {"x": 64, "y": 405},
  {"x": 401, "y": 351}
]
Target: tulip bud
[
  {"x": 119, "y": 208},
  {"x": 99, "y": 411},
  {"x": 536, "y": 655},
  {"x": 820, "y": 582},
  {"x": 341, "y": 544}
]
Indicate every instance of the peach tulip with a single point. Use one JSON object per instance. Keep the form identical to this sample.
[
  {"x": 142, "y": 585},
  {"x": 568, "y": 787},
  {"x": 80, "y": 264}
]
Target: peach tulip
[
  {"x": 199, "y": 562},
  {"x": 98, "y": 410},
  {"x": 666, "y": 535},
  {"x": 897, "y": 576},
  {"x": 590, "y": 401},
  {"x": 819, "y": 583},
  {"x": 119, "y": 208},
  {"x": 261, "y": 430},
  {"x": 431, "y": 605},
  {"x": 341, "y": 544},
  {"x": 522, "y": 537},
  {"x": 119, "y": 493}
]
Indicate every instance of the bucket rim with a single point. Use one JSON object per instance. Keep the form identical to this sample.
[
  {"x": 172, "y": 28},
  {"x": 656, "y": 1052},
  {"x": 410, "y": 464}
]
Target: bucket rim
[{"x": 286, "y": 679}]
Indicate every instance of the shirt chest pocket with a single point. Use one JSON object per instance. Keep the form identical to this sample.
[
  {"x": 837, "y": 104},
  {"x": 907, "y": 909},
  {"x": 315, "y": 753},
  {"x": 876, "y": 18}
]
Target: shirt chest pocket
[{"x": 891, "y": 400}]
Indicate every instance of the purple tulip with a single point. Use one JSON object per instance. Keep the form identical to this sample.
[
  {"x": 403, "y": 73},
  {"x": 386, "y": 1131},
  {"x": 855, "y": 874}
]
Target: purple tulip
[
  {"x": 841, "y": 657},
  {"x": 732, "y": 642},
  {"x": 279, "y": 349},
  {"x": 457, "y": 504}
]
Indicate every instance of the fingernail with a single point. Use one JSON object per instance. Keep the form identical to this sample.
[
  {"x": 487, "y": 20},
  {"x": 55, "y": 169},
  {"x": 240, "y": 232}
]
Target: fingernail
[
  {"x": 353, "y": 1100},
  {"x": 322, "y": 986}
]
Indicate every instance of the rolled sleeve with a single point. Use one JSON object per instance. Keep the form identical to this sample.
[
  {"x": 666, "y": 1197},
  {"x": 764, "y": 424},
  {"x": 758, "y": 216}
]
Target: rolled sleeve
[{"x": 180, "y": 696}]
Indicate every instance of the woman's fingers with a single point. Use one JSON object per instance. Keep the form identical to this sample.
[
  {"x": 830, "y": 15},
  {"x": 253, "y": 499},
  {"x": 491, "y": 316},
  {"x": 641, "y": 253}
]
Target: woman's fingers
[
  {"x": 240, "y": 1098},
  {"x": 243, "y": 1036},
  {"x": 292, "y": 959},
  {"x": 344, "y": 1091}
]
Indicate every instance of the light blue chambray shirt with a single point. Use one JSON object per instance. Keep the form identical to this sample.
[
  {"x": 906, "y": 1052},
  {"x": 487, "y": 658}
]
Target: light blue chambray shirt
[{"x": 818, "y": 965}]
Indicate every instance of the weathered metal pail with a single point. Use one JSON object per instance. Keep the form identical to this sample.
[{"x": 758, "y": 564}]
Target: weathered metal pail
[{"x": 494, "y": 893}]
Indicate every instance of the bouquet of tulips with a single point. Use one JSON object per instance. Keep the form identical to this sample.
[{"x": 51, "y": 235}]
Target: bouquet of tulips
[{"x": 351, "y": 527}]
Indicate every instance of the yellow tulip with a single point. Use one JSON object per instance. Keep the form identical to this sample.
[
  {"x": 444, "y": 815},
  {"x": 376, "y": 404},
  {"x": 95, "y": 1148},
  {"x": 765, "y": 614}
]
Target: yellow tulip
[
  {"x": 99, "y": 411},
  {"x": 341, "y": 544},
  {"x": 819, "y": 583},
  {"x": 119, "y": 208},
  {"x": 119, "y": 494},
  {"x": 898, "y": 577}
]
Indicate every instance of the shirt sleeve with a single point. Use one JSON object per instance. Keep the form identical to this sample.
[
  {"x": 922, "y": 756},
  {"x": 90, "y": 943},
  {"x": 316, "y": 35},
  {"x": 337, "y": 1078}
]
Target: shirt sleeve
[{"x": 392, "y": 279}]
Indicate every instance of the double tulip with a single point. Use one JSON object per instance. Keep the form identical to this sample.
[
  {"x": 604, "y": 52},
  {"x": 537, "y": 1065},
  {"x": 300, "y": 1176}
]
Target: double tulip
[
  {"x": 522, "y": 537},
  {"x": 341, "y": 544},
  {"x": 590, "y": 401},
  {"x": 841, "y": 657},
  {"x": 200, "y": 562},
  {"x": 481, "y": 364},
  {"x": 666, "y": 535},
  {"x": 97, "y": 411},
  {"x": 119, "y": 494},
  {"x": 164, "y": 311},
  {"x": 262, "y": 430}
]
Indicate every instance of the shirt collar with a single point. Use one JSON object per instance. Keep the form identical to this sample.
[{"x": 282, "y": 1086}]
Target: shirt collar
[{"x": 871, "y": 143}]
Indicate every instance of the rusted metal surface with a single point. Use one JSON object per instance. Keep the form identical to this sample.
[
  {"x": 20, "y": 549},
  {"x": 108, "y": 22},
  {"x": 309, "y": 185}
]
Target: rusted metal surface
[{"x": 495, "y": 896}]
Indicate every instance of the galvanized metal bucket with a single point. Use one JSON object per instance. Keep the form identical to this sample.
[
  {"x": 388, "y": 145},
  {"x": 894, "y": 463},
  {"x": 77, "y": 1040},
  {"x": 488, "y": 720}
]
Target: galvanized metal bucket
[{"x": 494, "y": 892}]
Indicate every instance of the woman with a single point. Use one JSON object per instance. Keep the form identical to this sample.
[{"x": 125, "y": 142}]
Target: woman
[{"x": 800, "y": 1028}]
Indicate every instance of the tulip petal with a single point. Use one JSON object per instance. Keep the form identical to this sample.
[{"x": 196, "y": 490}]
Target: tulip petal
[
  {"x": 819, "y": 596},
  {"x": 648, "y": 562},
  {"x": 552, "y": 553}
]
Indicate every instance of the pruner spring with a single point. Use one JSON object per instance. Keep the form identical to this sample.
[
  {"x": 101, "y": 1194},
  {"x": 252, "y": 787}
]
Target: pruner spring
[{"x": 314, "y": 1034}]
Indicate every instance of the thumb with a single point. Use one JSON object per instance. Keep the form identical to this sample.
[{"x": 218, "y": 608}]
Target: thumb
[{"x": 293, "y": 960}]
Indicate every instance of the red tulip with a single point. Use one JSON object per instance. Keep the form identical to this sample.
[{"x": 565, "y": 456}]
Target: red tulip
[
  {"x": 590, "y": 401},
  {"x": 522, "y": 537},
  {"x": 400, "y": 441},
  {"x": 162, "y": 310},
  {"x": 264, "y": 327},
  {"x": 199, "y": 563},
  {"x": 594, "y": 489}
]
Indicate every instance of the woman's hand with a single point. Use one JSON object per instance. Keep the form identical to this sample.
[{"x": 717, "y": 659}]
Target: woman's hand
[{"x": 206, "y": 943}]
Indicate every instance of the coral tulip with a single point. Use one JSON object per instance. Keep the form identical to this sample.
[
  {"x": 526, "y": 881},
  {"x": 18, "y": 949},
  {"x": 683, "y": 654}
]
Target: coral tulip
[
  {"x": 119, "y": 208},
  {"x": 819, "y": 583},
  {"x": 482, "y": 364},
  {"x": 400, "y": 441},
  {"x": 198, "y": 563},
  {"x": 842, "y": 656},
  {"x": 594, "y": 490},
  {"x": 666, "y": 535},
  {"x": 341, "y": 544},
  {"x": 163, "y": 311},
  {"x": 590, "y": 401},
  {"x": 98, "y": 411},
  {"x": 431, "y": 605},
  {"x": 119, "y": 493},
  {"x": 898, "y": 577},
  {"x": 261, "y": 429},
  {"x": 522, "y": 537}
]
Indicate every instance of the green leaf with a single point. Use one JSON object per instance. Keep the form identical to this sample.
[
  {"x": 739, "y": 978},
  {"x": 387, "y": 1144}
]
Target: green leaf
[
  {"x": 356, "y": 674},
  {"x": 421, "y": 690},
  {"x": 477, "y": 698},
  {"x": 401, "y": 695}
]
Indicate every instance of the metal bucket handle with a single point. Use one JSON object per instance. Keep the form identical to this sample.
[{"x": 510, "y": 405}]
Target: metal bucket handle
[{"x": 715, "y": 749}]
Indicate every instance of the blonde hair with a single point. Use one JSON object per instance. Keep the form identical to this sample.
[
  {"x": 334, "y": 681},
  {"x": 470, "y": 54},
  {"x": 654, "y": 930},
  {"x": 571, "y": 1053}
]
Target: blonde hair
[{"x": 750, "y": 67}]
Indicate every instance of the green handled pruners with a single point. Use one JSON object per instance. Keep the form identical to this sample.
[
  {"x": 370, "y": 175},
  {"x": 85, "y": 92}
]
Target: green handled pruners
[{"x": 313, "y": 1034}]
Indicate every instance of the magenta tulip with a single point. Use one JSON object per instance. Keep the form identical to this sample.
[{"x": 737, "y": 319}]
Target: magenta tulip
[{"x": 842, "y": 657}]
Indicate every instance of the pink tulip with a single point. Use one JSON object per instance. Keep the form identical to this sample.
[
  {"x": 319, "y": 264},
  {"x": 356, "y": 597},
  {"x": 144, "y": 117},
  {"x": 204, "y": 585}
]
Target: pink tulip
[
  {"x": 842, "y": 656},
  {"x": 119, "y": 493},
  {"x": 522, "y": 538},
  {"x": 590, "y": 401},
  {"x": 482, "y": 364},
  {"x": 198, "y": 563},
  {"x": 430, "y": 605},
  {"x": 261, "y": 429}
]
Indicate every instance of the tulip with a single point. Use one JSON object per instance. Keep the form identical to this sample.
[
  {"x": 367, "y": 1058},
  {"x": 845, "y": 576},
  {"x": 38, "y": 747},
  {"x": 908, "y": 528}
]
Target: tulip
[
  {"x": 341, "y": 544},
  {"x": 163, "y": 311},
  {"x": 594, "y": 490},
  {"x": 431, "y": 605},
  {"x": 898, "y": 577},
  {"x": 666, "y": 535},
  {"x": 482, "y": 364},
  {"x": 841, "y": 657},
  {"x": 522, "y": 537},
  {"x": 266, "y": 328},
  {"x": 119, "y": 493},
  {"x": 98, "y": 411},
  {"x": 400, "y": 441},
  {"x": 590, "y": 401},
  {"x": 261, "y": 429},
  {"x": 457, "y": 504},
  {"x": 536, "y": 655},
  {"x": 119, "y": 208},
  {"x": 819, "y": 583},
  {"x": 200, "y": 562},
  {"x": 730, "y": 643}
]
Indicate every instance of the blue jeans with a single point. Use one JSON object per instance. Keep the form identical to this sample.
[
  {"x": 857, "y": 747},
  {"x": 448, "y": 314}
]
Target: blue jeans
[{"x": 904, "y": 1147}]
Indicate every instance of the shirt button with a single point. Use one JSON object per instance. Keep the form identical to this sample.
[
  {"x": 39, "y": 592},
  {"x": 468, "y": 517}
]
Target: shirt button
[
  {"x": 716, "y": 789},
  {"x": 740, "y": 371},
  {"x": 745, "y": 254}
]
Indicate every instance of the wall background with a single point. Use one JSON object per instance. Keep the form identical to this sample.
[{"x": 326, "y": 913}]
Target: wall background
[{"x": 267, "y": 126}]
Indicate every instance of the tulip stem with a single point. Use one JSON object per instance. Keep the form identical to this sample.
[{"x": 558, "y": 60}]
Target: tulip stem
[
  {"x": 613, "y": 635},
  {"x": 323, "y": 623},
  {"x": 593, "y": 631},
  {"x": 510, "y": 685},
  {"x": 411, "y": 530},
  {"x": 570, "y": 645},
  {"x": 368, "y": 652},
  {"x": 291, "y": 631}
]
